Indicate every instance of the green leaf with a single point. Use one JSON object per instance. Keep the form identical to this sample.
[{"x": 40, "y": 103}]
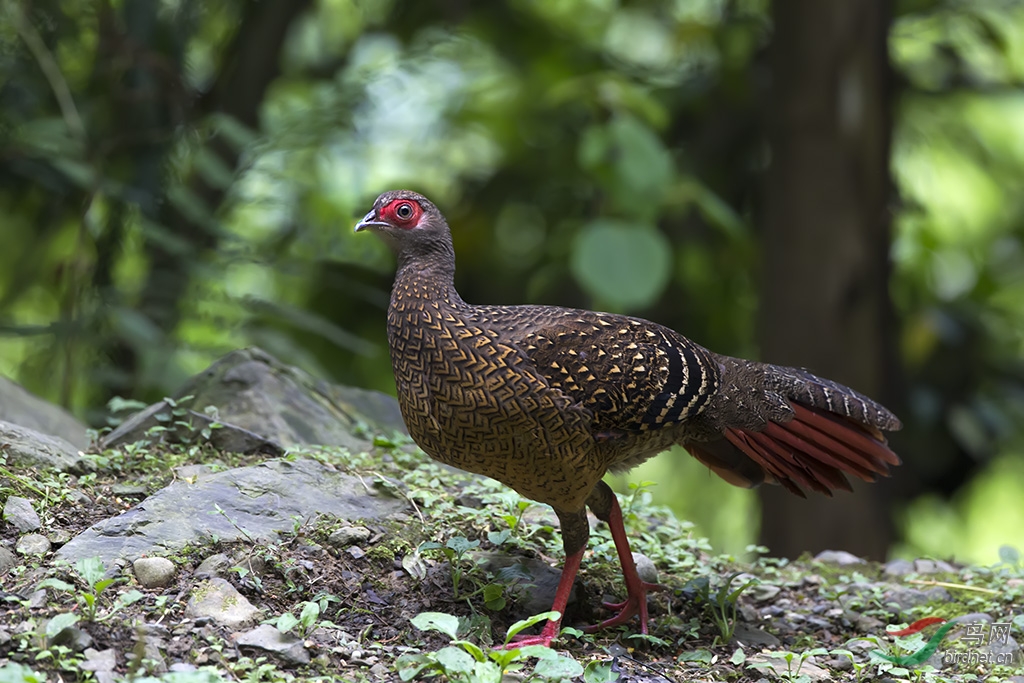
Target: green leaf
[
  {"x": 460, "y": 544},
  {"x": 620, "y": 263},
  {"x": 55, "y": 584},
  {"x": 310, "y": 613},
  {"x": 410, "y": 666},
  {"x": 12, "y": 672},
  {"x": 486, "y": 672},
  {"x": 702, "y": 656},
  {"x": 472, "y": 649},
  {"x": 455, "y": 660},
  {"x": 498, "y": 537},
  {"x": 600, "y": 672},
  {"x": 557, "y": 668},
  {"x": 437, "y": 621},
  {"x": 91, "y": 569},
  {"x": 738, "y": 657},
  {"x": 286, "y": 622},
  {"x": 528, "y": 622},
  {"x": 59, "y": 623},
  {"x": 1009, "y": 555}
]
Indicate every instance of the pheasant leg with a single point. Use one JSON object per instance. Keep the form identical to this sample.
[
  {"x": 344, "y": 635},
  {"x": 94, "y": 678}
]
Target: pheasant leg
[
  {"x": 550, "y": 630},
  {"x": 606, "y": 506}
]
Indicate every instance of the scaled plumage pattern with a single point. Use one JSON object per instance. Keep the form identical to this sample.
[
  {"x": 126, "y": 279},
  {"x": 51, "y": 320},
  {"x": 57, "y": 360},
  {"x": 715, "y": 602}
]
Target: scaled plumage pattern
[{"x": 547, "y": 399}]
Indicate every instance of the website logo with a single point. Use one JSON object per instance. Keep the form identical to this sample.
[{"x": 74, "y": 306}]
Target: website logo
[{"x": 976, "y": 636}]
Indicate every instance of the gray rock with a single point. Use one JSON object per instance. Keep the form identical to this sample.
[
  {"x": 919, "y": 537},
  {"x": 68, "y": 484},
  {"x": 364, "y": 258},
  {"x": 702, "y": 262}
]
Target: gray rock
[
  {"x": 754, "y": 637},
  {"x": 32, "y": 544},
  {"x": 763, "y": 591},
  {"x": 838, "y": 557},
  {"x": 26, "y": 447},
  {"x": 79, "y": 497},
  {"x": 154, "y": 572},
  {"x": 72, "y": 637},
  {"x": 645, "y": 568},
  {"x": 8, "y": 561},
  {"x": 256, "y": 503},
  {"x": 59, "y": 536},
  {"x": 99, "y": 660},
  {"x": 898, "y": 567},
  {"x": 20, "y": 407},
  {"x": 355, "y": 552},
  {"x": 5, "y": 637},
  {"x": 517, "y": 572},
  {"x": 218, "y": 600},
  {"x": 129, "y": 491},
  {"x": 906, "y": 598},
  {"x": 19, "y": 512},
  {"x": 347, "y": 535},
  {"x": 214, "y": 565},
  {"x": 276, "y": 405},
  {"x": 267, "y": 638},
  {"x": 933, "y": 567}
]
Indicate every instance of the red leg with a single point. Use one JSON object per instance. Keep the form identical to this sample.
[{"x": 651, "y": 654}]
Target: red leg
[
  {"x": 550, "y": 630},
  {"x": 636, "y": 588}
]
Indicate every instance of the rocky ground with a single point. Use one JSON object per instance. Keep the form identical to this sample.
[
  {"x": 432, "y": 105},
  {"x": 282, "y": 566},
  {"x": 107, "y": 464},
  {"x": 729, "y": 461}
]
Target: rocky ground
[{"x": 167, "y": 556}]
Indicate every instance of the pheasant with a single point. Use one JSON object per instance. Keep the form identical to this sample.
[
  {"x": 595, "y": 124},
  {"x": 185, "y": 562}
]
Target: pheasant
[{"x": 547, "y": 399}]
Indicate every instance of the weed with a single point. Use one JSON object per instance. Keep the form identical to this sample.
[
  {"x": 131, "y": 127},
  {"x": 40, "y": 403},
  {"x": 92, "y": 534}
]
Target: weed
[{"x": 464, "y": 661}]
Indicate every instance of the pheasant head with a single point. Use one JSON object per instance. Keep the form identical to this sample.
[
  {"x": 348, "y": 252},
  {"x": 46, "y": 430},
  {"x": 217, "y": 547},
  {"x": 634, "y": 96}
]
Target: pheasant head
[{"x": 412, "y": 226}]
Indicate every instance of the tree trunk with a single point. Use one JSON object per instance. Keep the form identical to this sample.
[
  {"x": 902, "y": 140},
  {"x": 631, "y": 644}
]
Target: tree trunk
[{"x": 824, "y": 298}]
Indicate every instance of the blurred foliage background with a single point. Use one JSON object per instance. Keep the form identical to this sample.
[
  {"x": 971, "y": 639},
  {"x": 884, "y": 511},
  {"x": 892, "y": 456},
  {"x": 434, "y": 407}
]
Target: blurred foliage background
[{"x": 834, "y": 185}]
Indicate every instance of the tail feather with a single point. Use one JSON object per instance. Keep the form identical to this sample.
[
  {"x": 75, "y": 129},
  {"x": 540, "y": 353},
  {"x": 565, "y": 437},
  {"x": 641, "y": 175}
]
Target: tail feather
[{"x": 814, "y": 451}]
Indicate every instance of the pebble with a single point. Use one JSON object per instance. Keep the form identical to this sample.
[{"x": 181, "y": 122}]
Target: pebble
[
  {"x": 355, "y": 552},
  {"x": 349, "y": 535},
  {"x": 645, "y": 568},
  {"x": 839, "y": 557},
  {"x": 220, "y": 601},
  {"x": 214, "y": 565},
  {"x": 154, "y": 572},
  {"x": 18, "y": 511},
  {"x": 285, "y": 645},
  {"x": 7, "y": 561},
  {"x": 33, "y": 544},
  {"x": 907, "y": 598}
]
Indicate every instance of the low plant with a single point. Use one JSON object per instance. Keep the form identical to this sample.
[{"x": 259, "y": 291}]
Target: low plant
[{"x": 463, "y": 661}]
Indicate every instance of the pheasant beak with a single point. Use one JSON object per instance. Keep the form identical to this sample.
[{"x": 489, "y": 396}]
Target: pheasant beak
[{"x": 370, "y": 221}]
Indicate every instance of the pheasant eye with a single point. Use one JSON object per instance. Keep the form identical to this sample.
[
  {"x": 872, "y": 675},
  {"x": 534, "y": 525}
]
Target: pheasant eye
[{"x": 404, "y": 211}]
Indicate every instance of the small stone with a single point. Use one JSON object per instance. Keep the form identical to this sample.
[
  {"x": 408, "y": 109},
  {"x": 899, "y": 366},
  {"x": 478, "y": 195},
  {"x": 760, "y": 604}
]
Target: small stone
[
  {"x": 78, "y": 497},
  {"x": 154, "y": 572},
  {"x": 285, "y": 645},
  {"x": 59, "y": 536},
  {"x": 33, "y": 544},
  {"x": 8, "y": 561},
  {"x": 754, "y": 637},
  {"x": 348, "y": 535},
  {"x": 763, "y": 591},
  {"x": 907, "y": 598},
  {"x": 72, "y": 637},
  {"x": 129, "y": 491},
  {"x": 214, "y": 565},
  {"x": 99, "y": 660},
  {"x": 898, "y": 567},
  {"x": 933, "y": 567},
  {"x": 218, "y": 600},
  {"x": 841, "y": 663},
  {"x": 645, "y": 568},
  {"x": 838, "y": 557},
  {"x": 18, "y": 511},
  {"x": 37, "y": 599},
  {"x": 355, "y": 551}
]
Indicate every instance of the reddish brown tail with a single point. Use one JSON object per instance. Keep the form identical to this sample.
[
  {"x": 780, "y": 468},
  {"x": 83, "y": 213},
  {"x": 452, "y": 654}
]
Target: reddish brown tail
[{"x": 815, "y": 450}]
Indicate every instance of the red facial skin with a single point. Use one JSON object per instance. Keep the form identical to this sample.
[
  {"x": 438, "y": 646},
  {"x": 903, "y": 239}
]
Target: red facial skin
[{"x": 389, "y": 213}]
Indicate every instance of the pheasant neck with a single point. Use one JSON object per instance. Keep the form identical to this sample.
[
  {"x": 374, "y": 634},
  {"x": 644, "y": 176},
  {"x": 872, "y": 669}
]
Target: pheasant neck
[{"x": 427, "y": 276}]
